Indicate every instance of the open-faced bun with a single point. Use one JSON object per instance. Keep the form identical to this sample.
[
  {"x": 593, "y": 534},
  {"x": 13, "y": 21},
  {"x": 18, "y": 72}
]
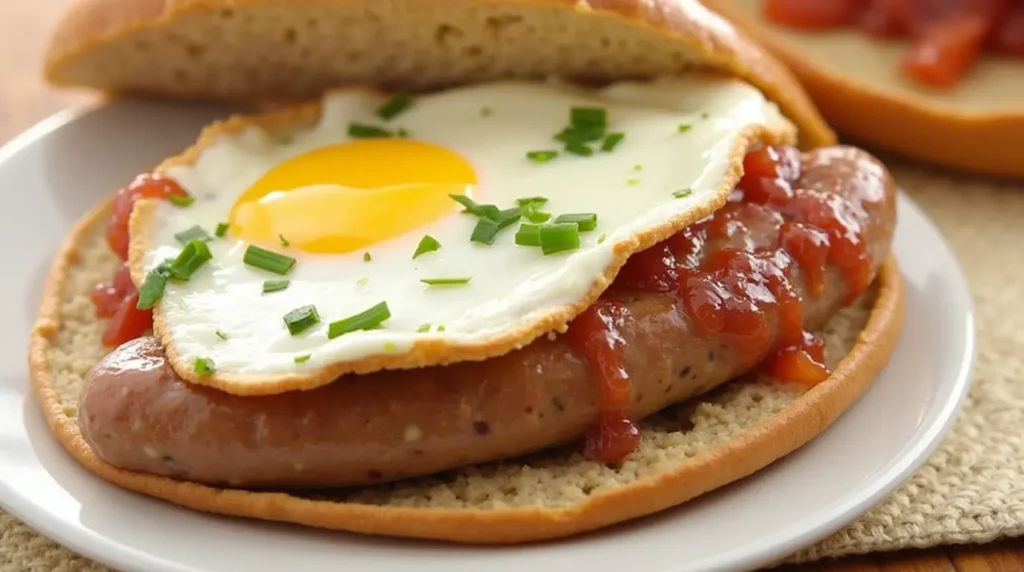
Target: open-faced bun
[
  {"x": 270, "y": 49},
  {"x": 855, "y": 81}
]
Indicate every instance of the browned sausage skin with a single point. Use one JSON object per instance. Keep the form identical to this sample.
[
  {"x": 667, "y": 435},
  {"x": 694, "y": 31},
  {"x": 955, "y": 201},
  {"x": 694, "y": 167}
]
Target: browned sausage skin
[{"x": 136, "y": 413}]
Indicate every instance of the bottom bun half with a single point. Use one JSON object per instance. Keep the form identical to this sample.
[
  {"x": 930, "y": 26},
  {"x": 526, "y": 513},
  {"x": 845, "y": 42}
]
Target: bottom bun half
[{"x": 687, "y": 449}]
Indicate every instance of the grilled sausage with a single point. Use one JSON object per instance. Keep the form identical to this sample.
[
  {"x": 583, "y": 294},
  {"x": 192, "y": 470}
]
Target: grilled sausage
[{"x": 136, "y": 413}]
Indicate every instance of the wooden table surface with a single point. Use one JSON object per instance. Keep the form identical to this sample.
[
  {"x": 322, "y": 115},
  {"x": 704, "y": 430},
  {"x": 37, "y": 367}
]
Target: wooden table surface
[{"x": 24, "y": 28}]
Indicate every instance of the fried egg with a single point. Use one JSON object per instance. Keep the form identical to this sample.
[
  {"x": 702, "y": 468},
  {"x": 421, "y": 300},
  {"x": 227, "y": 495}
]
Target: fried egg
[{"x": 373, "y": 211}]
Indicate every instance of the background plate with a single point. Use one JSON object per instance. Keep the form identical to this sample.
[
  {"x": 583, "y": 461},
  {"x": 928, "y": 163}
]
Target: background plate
[{"x": 56, "y": 171}]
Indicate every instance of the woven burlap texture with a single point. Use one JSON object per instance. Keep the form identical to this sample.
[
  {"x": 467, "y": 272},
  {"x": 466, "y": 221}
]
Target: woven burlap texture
[{"x": 972, "y": 488}]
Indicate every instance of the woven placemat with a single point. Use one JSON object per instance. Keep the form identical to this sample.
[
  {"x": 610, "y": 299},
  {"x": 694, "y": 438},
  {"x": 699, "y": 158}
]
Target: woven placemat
[{"x": 972, "y": 488}]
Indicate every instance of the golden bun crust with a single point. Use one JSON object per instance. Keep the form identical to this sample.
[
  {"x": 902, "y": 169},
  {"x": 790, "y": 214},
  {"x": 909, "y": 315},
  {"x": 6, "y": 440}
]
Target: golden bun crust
[
  {"x": 274, "y": 49},
  {"x": 854, "y": 81},
  {"x": 66, "y": 336}
]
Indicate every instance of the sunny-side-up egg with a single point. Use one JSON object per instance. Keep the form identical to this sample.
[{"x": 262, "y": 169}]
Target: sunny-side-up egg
[{"x": 360, "y": 210}]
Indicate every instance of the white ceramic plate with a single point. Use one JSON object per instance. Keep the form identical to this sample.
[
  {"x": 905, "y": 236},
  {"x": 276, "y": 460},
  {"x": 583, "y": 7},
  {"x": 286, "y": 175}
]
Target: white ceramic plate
[{"x": 56, "y": 171}]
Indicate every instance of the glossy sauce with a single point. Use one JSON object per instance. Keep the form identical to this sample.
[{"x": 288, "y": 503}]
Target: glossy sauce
[
  {"x": 117, "y": 299},
  {"x": 947, "y": 36},
  {"x": 734, "y": 287}
]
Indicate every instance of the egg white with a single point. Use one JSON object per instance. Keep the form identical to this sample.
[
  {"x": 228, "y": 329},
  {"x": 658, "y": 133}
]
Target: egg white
[{"x": 512, "y": 286}]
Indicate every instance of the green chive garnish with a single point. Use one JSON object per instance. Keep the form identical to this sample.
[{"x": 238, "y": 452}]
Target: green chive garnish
[
  {"x": 528, "y": 235},
  {"x": 486, "y": 111},
  {"x": 181, "y": 201},
  {"x": 363, "y": 131},
  {"x": 191, "y": 258},
  {"x": 579, "y": 149},
  {"x": 362, "y": 281},
  {"x": 484, "y": 232},
  {"x": 684, "y": 127},
  {"x": 303, "y": 358},
  {"x": 427, "y": 244},
  {"x": 152, "y": 288},
  {"x": 204, "y": 366},
  {"x": 275, "y": 285},
  {"x": 440, "y": 328},
  {"x": 683, "y": 193},
  {"x": 632, "y": 182},
  {"x": 221, "y": 335},
  {"x": 611, "y": 141},
  {"x": 222, "y": 229},
  {"x": 541, "y": 157},
  {"x": 392, "y": 108},
  {"x": 508, "y": 216},
  {"x": 602, "y": 238},
  {"x": 704, "y": 115},
  {"x": 585, "y": 221},
  {"x": 587, "y": 116},
  {"x": 267, "y": 260},
  {"x": 190, "y": 234},
  {"x": 367, "y": 257},
  {"x": 531, "y": 201},
  {"x": 533, "y": 215},
  {"x": 476, "y": 209},
  {"x": 445, "y": 281},
  {"x": 362, "y": 321},
  {"x": 638, "y": 167},
  {"x": 284, "y": 241},
  {"x": 423, "y": 328},
  {"x": 559, "y": 237},
  {"x": 301, "y": 319}
]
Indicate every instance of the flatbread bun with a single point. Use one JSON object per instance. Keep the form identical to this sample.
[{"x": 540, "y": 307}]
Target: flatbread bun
[
  {"x": 686, "y": 450},
  {"x": 274, "y": 49},
  {"x": 854, "y": 80}
]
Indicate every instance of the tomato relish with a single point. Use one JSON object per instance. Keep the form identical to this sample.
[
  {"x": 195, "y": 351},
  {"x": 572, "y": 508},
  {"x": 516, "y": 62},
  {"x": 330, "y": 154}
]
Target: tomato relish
[
  {"x": 947, "y": 36},
  {"x": 734, "y": 289},
  {"x": 117, "y": 300}
]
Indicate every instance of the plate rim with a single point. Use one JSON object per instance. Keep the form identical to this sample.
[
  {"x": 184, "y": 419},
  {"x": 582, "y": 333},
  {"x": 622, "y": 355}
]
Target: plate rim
[{"x": 767, "y": 550}]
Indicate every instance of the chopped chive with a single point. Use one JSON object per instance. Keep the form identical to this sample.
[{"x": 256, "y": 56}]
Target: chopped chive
[
  {"x": 445, "y": 281},
  {"x": 396, "y": 105},
  {"x": 275, "y": 285},
  {"x": 221, "y": 335},
  {"x": 541, "y": 157},
  {"x": 704, "y": 115},
  {"x": 366, "y": 319},
  {"x": 508, "y": 216},
  {"x": 474, "y": 208},
  {"x": 301, "y": 319},
  {"x": 602, "y": 238},
  {"x": 484, "y": 232},
  {"x": 181, "y": 200},
  {"x": 191, "y": 258},
  {"x": 152, "y": 289},
  {"x": 268, "y": 260},
  {"x": 611, "y": 141},
  {"x": 190, "y": 234},
  {"x": 222, "y": 229},
  {"x": 286, "y": 139},
  {"x": 284, "y": 241},
  {"x": 402, "y": 133},
  {"x": 440, "y": 328},
  {"x": 580, "y": 134},
  {"x": 531, "y": 201},
  {"x": 588, "y": 116},
  {"x": 303, "y": 358},
  {"x": 684, "y": 127},
  {"x": 528, "y": 235},
  {"x": 423, "y": 328},
  {"x": 389, "y": 347},
  {"x": 580, "y": 149},
  {"x": 683, "y": 193},
  {"x": 632, "y": 181},
  {"x": 363, "y": 131},
  {"x": 533, "y": 215},
  {"x": 585, "y": 221},
  {"x": 204, "y": 366},
  {"x": 638, "y": 167},
  {"x": 362, "y": 281},
  {"x": 559, "y": 237},
  {"x": 427, "y": 244},
  {"x": 486, "y": 111},
  {"x": 367, "y": 257}
]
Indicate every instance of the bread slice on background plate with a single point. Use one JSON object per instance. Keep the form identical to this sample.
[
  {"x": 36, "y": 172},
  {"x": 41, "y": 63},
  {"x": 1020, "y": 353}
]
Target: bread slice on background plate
[
  {"x": 855, "y": 81},
  {"x": 246, "y": 49}
]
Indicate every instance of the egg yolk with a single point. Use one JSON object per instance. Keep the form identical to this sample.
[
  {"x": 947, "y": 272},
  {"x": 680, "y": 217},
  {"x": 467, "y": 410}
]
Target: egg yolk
[{"x": 351, "y": 195}]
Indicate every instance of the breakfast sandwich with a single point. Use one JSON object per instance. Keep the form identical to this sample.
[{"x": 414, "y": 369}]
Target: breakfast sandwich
[
  {"x": 517, "y": 269},
  {"x": 937, "y": 80}
]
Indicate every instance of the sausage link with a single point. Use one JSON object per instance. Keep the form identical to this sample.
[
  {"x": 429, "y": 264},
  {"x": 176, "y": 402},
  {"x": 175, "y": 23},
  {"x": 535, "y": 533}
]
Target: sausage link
[{"x": 136, "y": 413}]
